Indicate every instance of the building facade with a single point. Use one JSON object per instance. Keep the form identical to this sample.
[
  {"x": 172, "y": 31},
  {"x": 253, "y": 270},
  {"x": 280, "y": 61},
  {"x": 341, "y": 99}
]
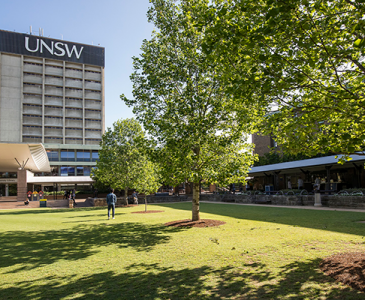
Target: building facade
[{"x": 52, "y": 92}]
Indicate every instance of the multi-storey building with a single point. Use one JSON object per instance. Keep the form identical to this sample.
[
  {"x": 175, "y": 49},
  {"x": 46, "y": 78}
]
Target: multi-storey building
[{"x": 52, "y": 93}]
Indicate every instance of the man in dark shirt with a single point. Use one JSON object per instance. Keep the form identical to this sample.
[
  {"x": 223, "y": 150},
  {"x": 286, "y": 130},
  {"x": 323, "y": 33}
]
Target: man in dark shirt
[{"x": 111, "y": 200}]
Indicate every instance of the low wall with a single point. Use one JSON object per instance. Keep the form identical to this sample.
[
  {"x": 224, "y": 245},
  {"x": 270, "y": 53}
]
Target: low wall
[
  {"x": 356, "y": 202},
  {"x": 58, "y": 203}
]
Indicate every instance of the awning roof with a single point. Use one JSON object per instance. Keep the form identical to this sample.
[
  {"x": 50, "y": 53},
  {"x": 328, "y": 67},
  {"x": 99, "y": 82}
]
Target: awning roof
[
  {"x": 33, "y": 156},
  {"x": 313, "y": 164},
  {"x": 59, "y": 179}
]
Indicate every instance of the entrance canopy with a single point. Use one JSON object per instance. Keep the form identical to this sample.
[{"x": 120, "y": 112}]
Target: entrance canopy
[
  {"x": 313, "y": 164},
  {"x": 49, "y": 180},
  {"x": 32, "y": 157}
]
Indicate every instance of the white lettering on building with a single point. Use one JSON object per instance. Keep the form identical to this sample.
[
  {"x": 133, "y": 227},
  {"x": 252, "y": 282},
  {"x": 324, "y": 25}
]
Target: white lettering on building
[{"x": 58, "y": 48}]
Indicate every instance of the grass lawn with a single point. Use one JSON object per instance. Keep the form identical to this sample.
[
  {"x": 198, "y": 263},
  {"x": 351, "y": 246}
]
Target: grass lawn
[{"x": 260, "y": 253}]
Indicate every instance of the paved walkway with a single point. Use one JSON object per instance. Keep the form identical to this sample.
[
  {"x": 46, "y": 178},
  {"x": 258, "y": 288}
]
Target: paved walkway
[{"x": 34, "y": 204}]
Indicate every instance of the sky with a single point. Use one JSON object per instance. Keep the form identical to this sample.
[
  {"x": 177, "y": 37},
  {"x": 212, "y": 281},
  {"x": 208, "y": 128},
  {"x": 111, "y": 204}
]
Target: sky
[{"x": 119, "y": 26}]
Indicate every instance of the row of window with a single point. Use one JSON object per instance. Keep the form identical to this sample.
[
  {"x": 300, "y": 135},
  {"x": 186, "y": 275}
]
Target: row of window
[{"x": 72, "y": 155}]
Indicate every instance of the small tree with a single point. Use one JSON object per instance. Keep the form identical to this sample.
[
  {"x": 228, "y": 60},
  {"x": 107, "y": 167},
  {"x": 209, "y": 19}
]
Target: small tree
[
  {"x": 149, "y": 182},
  {"x": 121, "y": 158}
]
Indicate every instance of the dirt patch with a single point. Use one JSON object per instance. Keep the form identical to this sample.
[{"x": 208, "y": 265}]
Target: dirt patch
[
  {"x": 348, "y": 268},
  {"x": 147, "y": 212},
  {"x": 200, "y": 223}
]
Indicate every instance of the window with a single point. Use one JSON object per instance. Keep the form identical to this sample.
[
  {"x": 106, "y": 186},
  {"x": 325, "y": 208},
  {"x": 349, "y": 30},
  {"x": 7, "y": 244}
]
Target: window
[
  {"x": 71, "y": 171},
  {"x": 67, "y": 155},
  {"x": 52, "y": 155},
  {"x": 87, "y": 171},
  {"x": 80, "y": 171},
  {"x": 64, "y": 171},
  {"x": 83, "y": 155},
  {"x": 95, "y": 156}
]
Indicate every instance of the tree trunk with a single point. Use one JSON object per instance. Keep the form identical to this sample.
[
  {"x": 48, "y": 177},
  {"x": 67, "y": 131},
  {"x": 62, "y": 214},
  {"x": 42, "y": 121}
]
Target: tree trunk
[
  {"x": 145, "y": 202},
  {"x": 196, "y": 196},
  {"x": 126, "y": 196}
]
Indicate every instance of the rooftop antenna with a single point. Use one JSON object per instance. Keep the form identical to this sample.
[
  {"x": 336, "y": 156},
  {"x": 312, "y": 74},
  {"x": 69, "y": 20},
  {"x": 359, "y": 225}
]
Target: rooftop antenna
[
  {"x": 30, "y": 29},
  {"x": 62, "y": 37}
]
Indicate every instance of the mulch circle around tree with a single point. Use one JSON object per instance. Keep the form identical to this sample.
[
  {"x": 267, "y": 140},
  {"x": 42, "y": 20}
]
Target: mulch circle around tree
[
  {"x": 200, "y": 223},
  {"x": 147, "y": 212},
  {"x": 348, "y": 268}
]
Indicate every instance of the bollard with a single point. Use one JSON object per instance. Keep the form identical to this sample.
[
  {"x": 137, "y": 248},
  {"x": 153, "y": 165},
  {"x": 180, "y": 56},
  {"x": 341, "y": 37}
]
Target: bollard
[{"x": 317, "y": 199}]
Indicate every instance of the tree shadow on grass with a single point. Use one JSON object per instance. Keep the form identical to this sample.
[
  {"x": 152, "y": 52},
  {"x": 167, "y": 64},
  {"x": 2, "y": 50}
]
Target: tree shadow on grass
[
  {"x": 30, "y": 211},
  {"x": 337, "y": 221},
  {"x": 27, "y": 250},
  {"x": 301, "y": 280}
]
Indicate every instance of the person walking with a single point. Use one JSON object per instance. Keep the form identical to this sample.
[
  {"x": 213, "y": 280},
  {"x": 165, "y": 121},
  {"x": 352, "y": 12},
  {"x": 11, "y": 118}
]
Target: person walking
[{"x": 111, "y": 200}]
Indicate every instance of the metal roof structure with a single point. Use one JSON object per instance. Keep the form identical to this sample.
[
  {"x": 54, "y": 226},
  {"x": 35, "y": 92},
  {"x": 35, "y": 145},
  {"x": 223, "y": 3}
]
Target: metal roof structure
[
  {"x": 313, "y": 164},
  {"x": 59, "y": 179},
  {"x": 32, "y": 157}
]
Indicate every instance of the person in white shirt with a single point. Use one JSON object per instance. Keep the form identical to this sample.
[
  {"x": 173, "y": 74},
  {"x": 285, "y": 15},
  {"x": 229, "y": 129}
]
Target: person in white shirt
[
  {"x": 289, "y": 185},
  {"x": 300, "y": 183}
]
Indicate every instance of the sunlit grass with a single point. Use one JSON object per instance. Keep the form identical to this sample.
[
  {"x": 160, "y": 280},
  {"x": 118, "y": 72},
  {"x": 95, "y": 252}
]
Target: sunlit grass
[{"x": 261, "y": 252}]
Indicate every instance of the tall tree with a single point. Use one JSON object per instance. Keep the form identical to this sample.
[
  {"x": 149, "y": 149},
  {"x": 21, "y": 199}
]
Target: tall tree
[
  {"x": 181, "y": 103},
  {"x": 305, "y": 56},
  {"x": 122, "y": 157}
]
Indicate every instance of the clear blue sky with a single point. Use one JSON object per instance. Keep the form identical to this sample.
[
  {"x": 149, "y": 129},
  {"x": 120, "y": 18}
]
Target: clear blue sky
[{"x": 118, "y": 25}]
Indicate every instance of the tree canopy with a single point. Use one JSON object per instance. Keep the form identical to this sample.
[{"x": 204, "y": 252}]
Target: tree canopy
[
  {"x": 122, "y": 159},
  {"x": 303, "y": 56},
  {"x": 179, "y": 99}
]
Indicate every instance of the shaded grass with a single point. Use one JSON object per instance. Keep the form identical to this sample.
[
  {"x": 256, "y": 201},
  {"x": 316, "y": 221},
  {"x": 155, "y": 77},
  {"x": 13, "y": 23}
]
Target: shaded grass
[{"x": 261, "y": 252}]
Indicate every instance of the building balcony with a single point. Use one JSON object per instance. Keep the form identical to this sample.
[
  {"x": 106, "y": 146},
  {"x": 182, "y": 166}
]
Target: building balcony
[
  {"x": 53, "y": 121},
  {"x": 54, "y": 71},
  {"x": 92, "y": 76},
  {"x": 93, "y": 134},
  {"x": 92, "y": 142},
  {"x": 33, "y": 99},
  {"x": 32, "y": 78},
  {"x": 51, "y": 90},
  {"x": 33, "y": 68},
  {"x": 34, "y": 89},
  {"x": 74, "y": 141},
  {"x": 53, "y": 132},
  {"x": 54, "y": 80},
  {"x": 57, "y": 101},
  {"x": 92, "y": 104},
  {"x": 32, "y": 110},
  {"x": 70, "y": 133},
  {"x": 92, "y": 114},
  {"x": 73, "y": 73},
  {"x": 93, "y": 85},
  {"x": 32, "y": 121},
  {"x": 73, "y": 93},
  {"x": 92, "y": 95},
  {"x": 93, "y": 124},
  {"x": 73, "y": 83},
  {"x": 32, "y": 139},
  {"x": 74, "y": 113},
  {"x": 33, "y": 130},
  {"x": 74, "y": 103},
  {"x": 53, "y": 111},
  {"x": 73, "y": 123}
]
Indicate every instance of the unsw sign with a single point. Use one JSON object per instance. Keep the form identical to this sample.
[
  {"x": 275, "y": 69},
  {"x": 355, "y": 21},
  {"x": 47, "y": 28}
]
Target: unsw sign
[{"x": 32, "y": 45}]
